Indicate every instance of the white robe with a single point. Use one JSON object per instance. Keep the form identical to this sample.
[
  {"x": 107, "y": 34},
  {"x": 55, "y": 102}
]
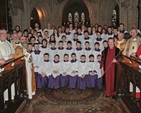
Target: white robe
[
  {"x": 52, "y": 53},
  {"x": 44, "y": 50},
  {"x": 61, "y": 54},
  {"x": 100, "y": 42},
  {"x": 66, "y": 67},
  {"x": 95, "y": 53},
  {"x": 87, "y": 53},
  {"x": 56, "y": 67},
  {"x": 82, "y": 69},
  {"x": 46, "y": 68},
  {"x": 79, "y": 53},
  {"x": 92, "y": 66},
  {"x": 91, "y": 42},
  {"x": 37, "y": 60},
  {"x": 69, "y": 52},
  {"x": 29, "y": 67},
  {"x": 74, "y": 67}
]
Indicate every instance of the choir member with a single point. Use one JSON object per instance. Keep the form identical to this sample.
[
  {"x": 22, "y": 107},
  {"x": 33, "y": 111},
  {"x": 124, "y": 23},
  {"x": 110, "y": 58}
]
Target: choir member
[
  {"x": 64, "y": 39},
  {"x": 79, "y": 51},
  {"x": 60, "y": 50},
  {"x": 99, "y": 81},
  {"x": 96, "y": 50},
  {"x": 91, "y": 77},
  {"x": 44, "y": 49},
  {"x": 45, "y": 71},
  {"x": 32, "y": 40},
  {"x": 40, "y": 38},
  {"x": 87, "y": 50},
  {"x": 54, "y": 79},
  {"x": 74, "y": 40},
  {"x": 73, "y": 71},
  {"x": 105, "y": 44},
  {"x": 52, "y": 51},
  {"x": 65, "y": 71},
  {"x": 69, "y": 50},
  {"x": 99, "y": 40},
  {"x": 68, "y": 34},
  {"x": 82, "y": 72},
  {"x": 121, "y": 28},
  {"x": 80, "y": 34},
  {"x": 37, "y": 62},
  {"x": 87, "y": 38},
  {"x": 110, "y": 33},
  {"x": 49, "y": 29}
]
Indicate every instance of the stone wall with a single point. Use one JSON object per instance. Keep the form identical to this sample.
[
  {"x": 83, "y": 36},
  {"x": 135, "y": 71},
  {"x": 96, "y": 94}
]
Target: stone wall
[{"x": 100, "y": 11}]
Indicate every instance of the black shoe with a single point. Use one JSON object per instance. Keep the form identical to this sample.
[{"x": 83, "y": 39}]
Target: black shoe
[{"x": 114, "y": 97}]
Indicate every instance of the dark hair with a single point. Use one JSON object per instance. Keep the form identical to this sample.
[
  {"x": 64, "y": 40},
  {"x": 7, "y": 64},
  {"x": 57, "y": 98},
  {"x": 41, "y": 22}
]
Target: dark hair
[
  {"x": 57, "y": 56},
  {"x": 46, "y": 54},
  {"x": 73, "y": 54},
  {"x": 91, "y": 55},
  {"x": 66, "y": 55},
  {"x": 96, "y": 43},
  {"x": 83, "y": 56},
  {"x": 69, "y": 42}
]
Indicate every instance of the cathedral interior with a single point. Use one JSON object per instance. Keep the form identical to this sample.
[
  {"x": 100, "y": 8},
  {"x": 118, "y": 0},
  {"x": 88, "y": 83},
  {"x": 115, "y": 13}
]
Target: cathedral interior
[{"x": 25, "y": 13}]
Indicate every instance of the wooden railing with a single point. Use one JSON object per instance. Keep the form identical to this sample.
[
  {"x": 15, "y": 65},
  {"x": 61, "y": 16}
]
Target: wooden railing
[
  {"x": 130, "y": 74},
  {"x": 13, "y": 73}
]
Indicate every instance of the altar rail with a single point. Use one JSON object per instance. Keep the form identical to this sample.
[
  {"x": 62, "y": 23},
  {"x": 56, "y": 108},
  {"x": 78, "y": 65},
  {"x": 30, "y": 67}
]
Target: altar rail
[
  {"x": 13, "y": 73},
  {"x": 130, "y": 73}
]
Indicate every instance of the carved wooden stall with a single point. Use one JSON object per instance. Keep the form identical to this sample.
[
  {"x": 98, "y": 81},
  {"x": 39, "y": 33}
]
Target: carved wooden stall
[
  {"x": 13, "y": 71},
  {"x": 131, "y": 74}
]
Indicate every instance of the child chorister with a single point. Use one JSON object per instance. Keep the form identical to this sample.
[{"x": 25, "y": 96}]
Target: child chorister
[
  {"x": 52, "y": 51},
  {"x": 61, "y": 50},
  {"x": 65, "y": 71},
  {"x": 87, "y": 50},
  {"x": 37, "y": 61},
  {"x": 79, "y": 51},
  {"x": 82, "y": 71},
  {"x": 73, "y": 71},
  {"x": 54, "y": 79},
  {"x": 92, "y": 72},
  {"x": 45, "y": 71},
  {"x": 69, "y": 50}
]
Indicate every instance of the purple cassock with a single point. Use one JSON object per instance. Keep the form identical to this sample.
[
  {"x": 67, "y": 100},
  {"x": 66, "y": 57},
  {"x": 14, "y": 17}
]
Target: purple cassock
[
  {"x": 91, "y": 80},
  {"x": 99, "y": 83},
  {"x": 63, "y": 80},
  {"x": 41, "y": 82},
  {"x": 81, "y": 83},
  {"x": 72, "y": 80}
]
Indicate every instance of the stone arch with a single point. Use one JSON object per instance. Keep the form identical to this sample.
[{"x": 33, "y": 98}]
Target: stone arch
[
  {"x": 108, "y": 5},
  {"x": 43, "y": 12},
  {"x": 61, "y": 6}
]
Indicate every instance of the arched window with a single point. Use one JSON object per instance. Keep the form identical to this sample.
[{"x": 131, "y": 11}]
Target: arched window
[
  {"x": 114, "y": 18},
  {"x": 76, "y": 17},
  {"x": 70, "y": 17},
  {"x": 82, "y": 18}
]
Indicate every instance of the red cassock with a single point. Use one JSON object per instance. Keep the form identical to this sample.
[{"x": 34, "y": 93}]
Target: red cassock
[
  {"x": 139, "y": 51},
  {"x": 110, "y": 76}
]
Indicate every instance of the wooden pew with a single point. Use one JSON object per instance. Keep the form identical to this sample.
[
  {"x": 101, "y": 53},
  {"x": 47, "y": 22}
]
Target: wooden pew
[
  {"x": 13, "y": 73},
  {"x": 130, "y": 74}
]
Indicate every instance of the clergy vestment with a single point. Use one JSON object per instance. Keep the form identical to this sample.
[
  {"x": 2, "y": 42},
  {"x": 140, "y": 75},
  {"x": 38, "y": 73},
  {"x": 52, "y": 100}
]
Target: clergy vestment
[
  {"x": 54, "y": 78},
  {"x": 30, "y": 77},
  {"x": 120, "y": 44},
  {"x": 66, "y": 69},
  {"x": 6, "y": 49},
  {"x": 139, "y": 51},
  {"x": 110, "y": 78},
  {"x": 73, "y": 76},
  {"x": 45, "y": 68},
  {"x": 82, "y": 70},
  {"x": 132, "y": 46},
  {"x": 91, "y": 80}
]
